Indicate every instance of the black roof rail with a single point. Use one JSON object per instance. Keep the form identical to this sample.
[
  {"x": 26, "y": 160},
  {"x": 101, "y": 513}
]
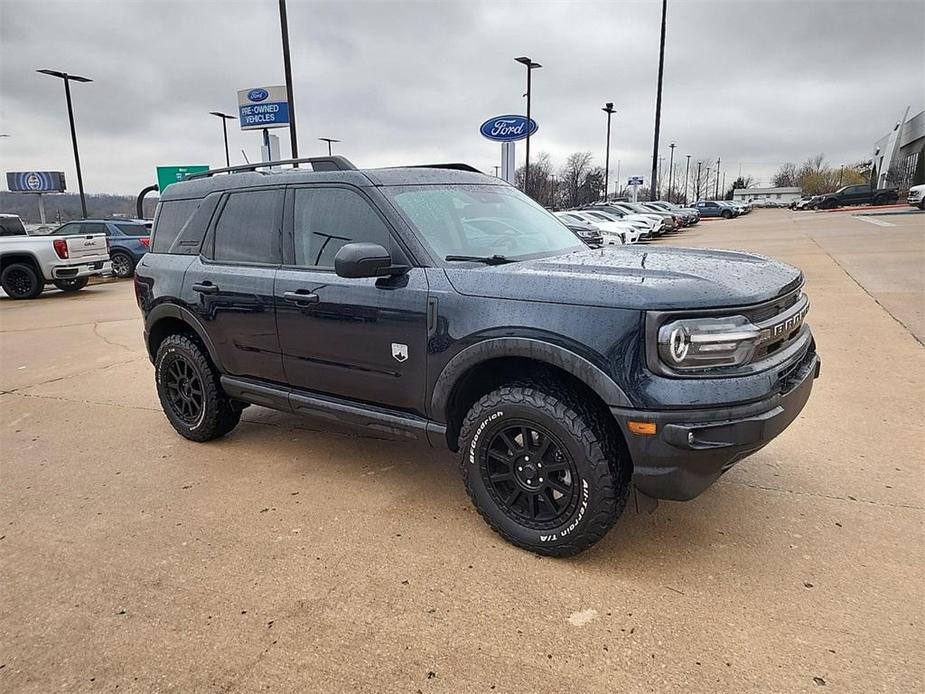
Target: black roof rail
[
  {"x": 454, "y": 166},
  {"x": 330, "y": 163}
]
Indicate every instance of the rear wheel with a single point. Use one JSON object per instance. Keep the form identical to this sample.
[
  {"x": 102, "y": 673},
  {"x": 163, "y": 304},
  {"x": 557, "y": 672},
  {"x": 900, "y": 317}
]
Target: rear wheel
[
  {"x": 122, "y": 264},
  {"x": 190, "y": 392},
  {"x": 21, "y": 281},
  {"x": 72, "y": 285},
  {"x": 543, "y": 468}
]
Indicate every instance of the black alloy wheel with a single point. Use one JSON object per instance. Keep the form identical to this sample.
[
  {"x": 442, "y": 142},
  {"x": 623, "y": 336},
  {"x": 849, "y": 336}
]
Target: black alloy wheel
[
  {"x": 184, "y": 390},
  {"x": 20, "y": 281},
  {"x": 530, "y": 475}
]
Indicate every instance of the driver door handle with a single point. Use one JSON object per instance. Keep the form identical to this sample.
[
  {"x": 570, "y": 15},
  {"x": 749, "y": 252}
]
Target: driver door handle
[
  {"x": 205, "y": 287},
  {"x": 301, "y": 296}
]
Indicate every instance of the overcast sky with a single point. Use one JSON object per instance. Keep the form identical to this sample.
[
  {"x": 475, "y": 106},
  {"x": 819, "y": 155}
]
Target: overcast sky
[{"x": 755, "y": 82}]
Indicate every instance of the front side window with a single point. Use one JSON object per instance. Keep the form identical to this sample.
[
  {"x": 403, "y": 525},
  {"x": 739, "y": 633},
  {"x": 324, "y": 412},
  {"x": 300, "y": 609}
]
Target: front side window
[
  {"x": 248, "y": 229},
  {"x": 92, "y": 228},
  {"x": 482, "y": 221},
  {"x": 325, "y": 219}
]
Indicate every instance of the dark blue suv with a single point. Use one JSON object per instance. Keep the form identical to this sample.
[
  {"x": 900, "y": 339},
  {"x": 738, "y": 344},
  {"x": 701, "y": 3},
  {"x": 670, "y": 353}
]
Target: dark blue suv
[
  {"x": 128, "y": 240},
  {"x": 442, "y": 305}
]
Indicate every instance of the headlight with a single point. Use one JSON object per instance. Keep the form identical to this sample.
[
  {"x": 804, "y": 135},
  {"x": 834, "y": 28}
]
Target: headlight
[{"x": 700, "y": 343}]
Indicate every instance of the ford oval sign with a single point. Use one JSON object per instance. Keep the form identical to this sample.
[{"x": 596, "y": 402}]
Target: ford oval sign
[
  {"x": 508, "y": 128},
  {"x": 257, "y": 94}
]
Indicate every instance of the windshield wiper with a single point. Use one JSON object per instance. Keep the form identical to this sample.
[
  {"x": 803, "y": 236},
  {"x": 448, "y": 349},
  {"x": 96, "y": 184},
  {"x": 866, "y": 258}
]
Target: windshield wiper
[{"x": 487, "y": 259}]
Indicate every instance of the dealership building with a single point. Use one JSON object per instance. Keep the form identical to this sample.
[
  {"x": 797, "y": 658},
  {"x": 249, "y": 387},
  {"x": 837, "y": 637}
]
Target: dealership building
[
  {"x": 897, "y": 153},
  {"x": 776, "y": 194}
]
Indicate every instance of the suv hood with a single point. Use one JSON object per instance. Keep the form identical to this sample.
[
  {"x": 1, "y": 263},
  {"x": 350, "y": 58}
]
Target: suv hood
[{"x": 635, "y": 278}]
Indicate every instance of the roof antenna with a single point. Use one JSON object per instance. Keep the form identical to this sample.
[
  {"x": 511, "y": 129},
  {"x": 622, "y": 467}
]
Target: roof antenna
[{"x": 244, "y": 154}]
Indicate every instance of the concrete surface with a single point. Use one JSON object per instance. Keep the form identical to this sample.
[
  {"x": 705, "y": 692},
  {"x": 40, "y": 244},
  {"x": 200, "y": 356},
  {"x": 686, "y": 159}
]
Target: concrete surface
[{"x": 286, "y": 557}]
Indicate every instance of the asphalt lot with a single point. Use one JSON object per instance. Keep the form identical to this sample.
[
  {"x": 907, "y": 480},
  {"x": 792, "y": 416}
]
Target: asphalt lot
[{"x": 287, "y": 557}]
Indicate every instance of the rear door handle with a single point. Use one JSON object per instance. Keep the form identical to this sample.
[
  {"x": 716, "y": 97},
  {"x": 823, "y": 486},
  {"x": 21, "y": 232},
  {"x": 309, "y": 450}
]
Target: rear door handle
[
  {"x": 301, "y": 296},
  {"x": 205, "y": 288}
]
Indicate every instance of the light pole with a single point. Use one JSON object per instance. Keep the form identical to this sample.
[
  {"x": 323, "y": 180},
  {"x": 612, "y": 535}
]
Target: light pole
[
  {"x": 716, "y": 194},
  {"x": 658, "y": 97},
  {"x": 531, "y": 66},
  {"x": 608, "y": 109},
  {"x": 70, "y": 115},
  {"x": 329, "y": 140},
  {"x": 687, "y": 168},
  {"x": 225, "y": 118},
  {"x": 670, "y": 170},
  {"x": 287, "y": 66},
  {"x": 699, "y": 163}
]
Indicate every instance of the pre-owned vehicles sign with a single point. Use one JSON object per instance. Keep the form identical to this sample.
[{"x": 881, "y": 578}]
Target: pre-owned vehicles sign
[{"x": 263, "y": 107}]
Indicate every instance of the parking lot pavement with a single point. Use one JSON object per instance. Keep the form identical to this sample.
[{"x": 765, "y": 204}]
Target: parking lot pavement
[{"x": 290, "y": 557}]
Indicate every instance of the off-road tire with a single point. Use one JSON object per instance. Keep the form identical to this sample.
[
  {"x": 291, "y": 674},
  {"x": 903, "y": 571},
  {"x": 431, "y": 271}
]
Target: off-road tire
[
  {"x": 590, "y": 440},
  {"x": 72, "y": 285},
  {"x": 124, "y": 263},
  {"x": 21, "y": 281},
  {"x": 219, "y": 413}
]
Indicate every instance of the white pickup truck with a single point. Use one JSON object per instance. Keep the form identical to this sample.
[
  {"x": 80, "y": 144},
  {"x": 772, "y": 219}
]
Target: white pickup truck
[{"x": 28, "y": 263}]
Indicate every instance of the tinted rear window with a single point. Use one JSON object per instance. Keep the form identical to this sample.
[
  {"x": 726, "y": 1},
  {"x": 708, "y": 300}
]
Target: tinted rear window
[
  {"x": 133, "y": 229},
  {"x": 168, "y": 220},
  {"x": 248, "y": 229},
  {"x": 12, "y": 226}
]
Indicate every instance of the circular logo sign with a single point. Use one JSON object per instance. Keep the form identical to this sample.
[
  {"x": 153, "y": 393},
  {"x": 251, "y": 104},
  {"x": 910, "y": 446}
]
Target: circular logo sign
[
  {"x": 257, "y": 94},
  {"x": 34, "y": 181},
  {"x": 508, "y": 128}
]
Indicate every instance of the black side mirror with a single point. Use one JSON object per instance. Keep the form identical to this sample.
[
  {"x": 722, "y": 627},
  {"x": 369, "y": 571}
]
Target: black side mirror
[{"x": 365, "y": 260}]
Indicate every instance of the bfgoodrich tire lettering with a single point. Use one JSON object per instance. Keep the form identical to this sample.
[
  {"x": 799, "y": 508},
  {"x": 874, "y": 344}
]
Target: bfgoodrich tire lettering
[
  {"x": 190, "y": 392},
  {"x": 593, "y": 473}
]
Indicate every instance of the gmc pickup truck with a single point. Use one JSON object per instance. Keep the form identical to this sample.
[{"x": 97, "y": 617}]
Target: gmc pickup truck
[
  {"x": 28, "y": 263},
  {"x": 442, "y": 305}
]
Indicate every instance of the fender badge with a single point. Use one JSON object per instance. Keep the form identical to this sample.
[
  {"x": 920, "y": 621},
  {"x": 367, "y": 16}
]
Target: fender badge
[{"x": 399, "y": 351}]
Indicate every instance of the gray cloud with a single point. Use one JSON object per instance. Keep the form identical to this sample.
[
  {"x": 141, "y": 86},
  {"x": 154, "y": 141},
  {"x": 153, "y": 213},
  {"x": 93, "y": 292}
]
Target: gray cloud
[{"x": 758, "y": 82}]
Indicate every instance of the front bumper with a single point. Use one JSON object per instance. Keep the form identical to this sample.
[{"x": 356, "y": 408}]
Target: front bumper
[
  {"x": 691, "y": 449},
  {"x": 915, "y": 199},
  {"x": 82, "y": 269}
]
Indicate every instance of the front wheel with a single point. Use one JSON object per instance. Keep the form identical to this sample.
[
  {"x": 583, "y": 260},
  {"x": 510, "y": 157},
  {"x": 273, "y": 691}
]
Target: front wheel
[
  {"x": 544, "y": 469},
  {"x": 190, "y": 392},
  {"x": 727, "y": 214},
  {"x": 74, "y": 284}
]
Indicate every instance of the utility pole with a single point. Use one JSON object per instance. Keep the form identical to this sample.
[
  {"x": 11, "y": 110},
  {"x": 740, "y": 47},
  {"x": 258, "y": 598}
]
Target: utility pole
[
  {"x": 670, "y": 171},
  {"x": 70, "y": 115},
  {"x": 687, "y": 169},
  {"x": 658, "y": 100},
  {"x": 287, "y": 66},
  {"x": 716, "y": 195},
  {"x": 531, "y": 66},
  {"x": 608, "y": 109}
]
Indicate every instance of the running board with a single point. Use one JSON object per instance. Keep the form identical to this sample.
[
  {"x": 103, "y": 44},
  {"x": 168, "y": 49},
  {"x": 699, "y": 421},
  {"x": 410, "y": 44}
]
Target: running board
[{"x": 347, "y": 413}]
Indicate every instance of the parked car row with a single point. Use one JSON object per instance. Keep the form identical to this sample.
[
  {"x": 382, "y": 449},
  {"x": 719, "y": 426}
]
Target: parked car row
[
  {"x": 727, "y": 209},
  {"x": 617, "y": 223}
]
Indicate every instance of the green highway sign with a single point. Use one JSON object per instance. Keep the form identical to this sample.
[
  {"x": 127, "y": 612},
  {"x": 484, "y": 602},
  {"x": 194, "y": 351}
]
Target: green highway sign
[{"x": 171, "y": 174}]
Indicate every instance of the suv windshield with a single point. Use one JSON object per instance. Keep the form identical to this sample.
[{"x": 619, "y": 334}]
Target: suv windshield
[{"x": 481, "y": 220}]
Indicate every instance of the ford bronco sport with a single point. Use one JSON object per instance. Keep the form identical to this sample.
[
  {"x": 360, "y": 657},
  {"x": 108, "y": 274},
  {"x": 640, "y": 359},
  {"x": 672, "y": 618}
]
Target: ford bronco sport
[{"x": 440, "y": 304}]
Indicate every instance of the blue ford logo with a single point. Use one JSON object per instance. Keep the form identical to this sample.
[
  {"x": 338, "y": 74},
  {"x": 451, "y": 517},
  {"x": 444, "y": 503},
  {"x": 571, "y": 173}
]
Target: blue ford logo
[
  {"x": 507, "y": 128},
  {"x": 257, "y": 94}
]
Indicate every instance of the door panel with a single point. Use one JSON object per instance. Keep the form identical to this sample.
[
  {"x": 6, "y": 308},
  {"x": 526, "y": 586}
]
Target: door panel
[
  {"x": 363, "y": 339},
  {"x": 235, "y": 305}
]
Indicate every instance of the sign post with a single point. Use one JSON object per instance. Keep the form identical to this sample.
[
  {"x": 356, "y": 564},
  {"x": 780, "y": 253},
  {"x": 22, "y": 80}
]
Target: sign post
[
  {"x": 507, "y": 130},
  {"x": 262, "y": 108},
  {"x": 635, "y": 182}
]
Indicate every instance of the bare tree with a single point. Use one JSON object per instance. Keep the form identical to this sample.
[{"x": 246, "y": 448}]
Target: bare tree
[{"x": 786, "y": 176}]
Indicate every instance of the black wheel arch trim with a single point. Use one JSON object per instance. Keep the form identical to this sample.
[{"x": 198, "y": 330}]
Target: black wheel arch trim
[
  {"x": 162, "y": 311},
  {"x": 530, "y": 348}
]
